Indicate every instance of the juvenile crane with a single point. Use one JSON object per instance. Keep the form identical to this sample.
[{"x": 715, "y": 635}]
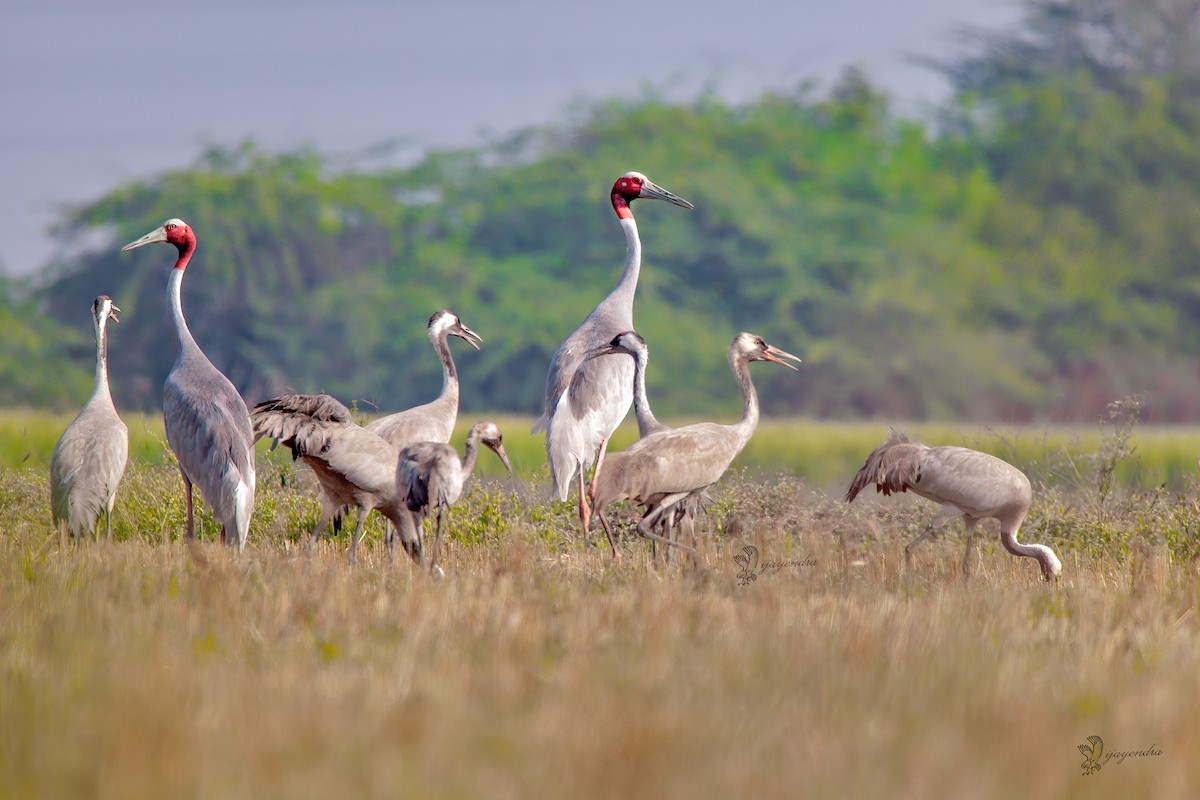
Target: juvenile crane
[
  {"x": 206, "y": 420},
  {"x": 354, "y": 466},
  {"x": 683, "y": 516},
  {"x": 433, "y": 421},
  {"x": 966, "y": 483},
  {"x": 582, "y": 413},
  {"x": 89, "y": 458},
  {"x": 664, "y": 468},
  {"x": 430, "y": 476}
]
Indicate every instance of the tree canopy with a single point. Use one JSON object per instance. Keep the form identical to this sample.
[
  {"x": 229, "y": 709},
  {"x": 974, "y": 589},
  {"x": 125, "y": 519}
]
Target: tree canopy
[{"x": 1029, "y": 255}]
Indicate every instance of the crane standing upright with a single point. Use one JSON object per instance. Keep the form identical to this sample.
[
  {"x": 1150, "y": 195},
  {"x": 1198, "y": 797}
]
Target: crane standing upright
[
  {"x": 89, "y": 458},
  {"x": 581, "y": 412},
  {"x": 666, "y": 467},
  {"x": 206, "y": 420}
]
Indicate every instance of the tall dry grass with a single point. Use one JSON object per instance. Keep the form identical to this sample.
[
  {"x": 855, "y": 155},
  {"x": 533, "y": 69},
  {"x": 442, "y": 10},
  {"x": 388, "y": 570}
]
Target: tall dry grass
[{"x": 537, "y": 668}]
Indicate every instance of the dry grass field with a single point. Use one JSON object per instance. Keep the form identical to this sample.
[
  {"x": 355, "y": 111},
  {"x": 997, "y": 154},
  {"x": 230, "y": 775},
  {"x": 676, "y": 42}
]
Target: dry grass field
[{"x": 142, "y": 668}]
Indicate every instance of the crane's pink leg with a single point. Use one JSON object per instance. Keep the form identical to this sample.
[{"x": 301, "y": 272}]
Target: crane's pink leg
[
  {"x": 585, "y": 513},
  {"x": 596, "y": 471},
  {"x": 187, "y": 493}
]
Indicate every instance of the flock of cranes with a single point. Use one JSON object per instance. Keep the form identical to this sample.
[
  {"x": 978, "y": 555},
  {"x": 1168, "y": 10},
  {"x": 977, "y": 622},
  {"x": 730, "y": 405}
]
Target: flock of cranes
[{"x": 402, "y": 466}]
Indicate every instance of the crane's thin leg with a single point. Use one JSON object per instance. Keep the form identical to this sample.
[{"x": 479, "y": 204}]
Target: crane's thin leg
[
  {"x": 970, "y": 525},
  {"x": 585, "y": 513},
  {"x": 611, "y": 543},
  {"x": 187, "y": 493},
  {"x": 437, "y": 539},
  {"x": 326, "y": 512},
  {"x": 944, "y": 515},
  {"x": 596, "y": 471},
  {"x": 358, "y": 527},
  {"x": 107, "y": 524}
]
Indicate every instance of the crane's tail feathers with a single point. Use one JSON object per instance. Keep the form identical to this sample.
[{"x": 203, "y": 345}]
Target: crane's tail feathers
[
  {"x": 542, "y": 424},
  {"x": 302, "y": 422},
  {"x": 892, "y": 467}
]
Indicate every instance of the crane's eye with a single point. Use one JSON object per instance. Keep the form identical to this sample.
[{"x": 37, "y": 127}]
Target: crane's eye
[{"x": 171, "y": 227}]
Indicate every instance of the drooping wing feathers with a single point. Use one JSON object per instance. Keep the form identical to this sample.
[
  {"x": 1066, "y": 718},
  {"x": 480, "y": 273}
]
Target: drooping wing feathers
[
  {"x": 892, "y": 467},
  {"x": 302, "y": 422}
]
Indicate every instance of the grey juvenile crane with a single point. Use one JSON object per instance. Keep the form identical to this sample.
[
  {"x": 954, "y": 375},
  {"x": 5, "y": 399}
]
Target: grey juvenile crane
[
  {"x": 430, "y": 476},
  {"x": 579, "y": 422},
  {"x": 664, "y": 468},
  {"x": 434, "y": 421},
  {"x": 207, "y": 422},
  {"x": 684, "y": 514},
  {"x": 354, "y": 466},
  {"x": 89, "y": 458},
  {"x": 966, "y": 483}
]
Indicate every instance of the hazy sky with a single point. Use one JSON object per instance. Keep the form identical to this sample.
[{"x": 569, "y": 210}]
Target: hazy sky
[{"x": 94, "y": 94}]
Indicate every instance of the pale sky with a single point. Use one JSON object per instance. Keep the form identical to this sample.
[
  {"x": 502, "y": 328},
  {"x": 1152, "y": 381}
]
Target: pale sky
[{"x": 95, "y": 94}]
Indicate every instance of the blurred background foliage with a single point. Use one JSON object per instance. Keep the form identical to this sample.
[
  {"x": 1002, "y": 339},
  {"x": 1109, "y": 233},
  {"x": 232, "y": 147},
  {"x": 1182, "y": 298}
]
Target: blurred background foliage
[{"x": 1028, "y": 252}]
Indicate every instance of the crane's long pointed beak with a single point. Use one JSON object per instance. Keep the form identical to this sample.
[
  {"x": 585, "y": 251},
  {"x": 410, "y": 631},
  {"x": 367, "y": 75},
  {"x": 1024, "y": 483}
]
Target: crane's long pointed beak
[
  {"x": 112, "y": 313},
  {"x": 499, "y": 448},
  {"x": 602, "y": 350},
  {"x": 155, "y": 236},
  {"x": 652, "y": 191},
  {"x": 778, "y": 356},
  {"x": 469, "y": 336}
]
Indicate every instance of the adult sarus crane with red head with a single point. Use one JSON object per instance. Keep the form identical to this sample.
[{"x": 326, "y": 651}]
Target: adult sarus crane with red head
[
  {"x": 207, "y": 422},
  {"x": 582, "y": 411}
]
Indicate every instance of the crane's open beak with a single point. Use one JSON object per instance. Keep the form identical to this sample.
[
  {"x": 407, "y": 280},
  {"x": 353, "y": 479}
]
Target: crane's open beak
[
  {"x": 155, "y": 236},
  {"x": 775, "y": 354},
  {"x": 651, "y": 191},
  {"x": 466, "y": 334},
  {"x": 498, "y": 447},
  {"x": 112, "y": 312}
]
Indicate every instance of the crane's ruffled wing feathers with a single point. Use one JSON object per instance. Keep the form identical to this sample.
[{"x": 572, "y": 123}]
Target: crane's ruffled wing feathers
[
  {"x": 894, "y": 466},
  {"x": 302, "y": 422}
]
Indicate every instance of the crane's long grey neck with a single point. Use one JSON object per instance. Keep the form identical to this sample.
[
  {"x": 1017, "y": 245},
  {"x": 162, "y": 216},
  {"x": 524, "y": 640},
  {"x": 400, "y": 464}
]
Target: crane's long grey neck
[
  {"x": 641, "y": 403},
  {"x": 101, "y": 387},
  {"x": 472, "y": 452},
  {"x": 182, "y": 334},
  {"x": 626, "y": 287},
  {"x": 749, "y": 420}
]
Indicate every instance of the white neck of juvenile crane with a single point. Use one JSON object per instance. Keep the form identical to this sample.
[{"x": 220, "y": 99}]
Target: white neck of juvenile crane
[
  {"x": 1051, "y": 566},
  {"x": 182, "y": 334},
  {"x": 101, "y": 387},
  {"x": 626, "y": 287}
]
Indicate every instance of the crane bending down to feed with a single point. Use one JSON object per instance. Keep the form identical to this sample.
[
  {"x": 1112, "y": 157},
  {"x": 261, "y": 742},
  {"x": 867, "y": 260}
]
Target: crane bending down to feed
[
  {"x": 683, "y": 516},
  {"x": 89, "y": 458},
  {"x": 206, "y": 420},
  {"x": 582, "y": 412},
  {"x": 354, "y": 466},
  {"x": 430, "y": 476},
  {"x": 664, "y": 468},
  {"x": 966, "y": 483}
]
